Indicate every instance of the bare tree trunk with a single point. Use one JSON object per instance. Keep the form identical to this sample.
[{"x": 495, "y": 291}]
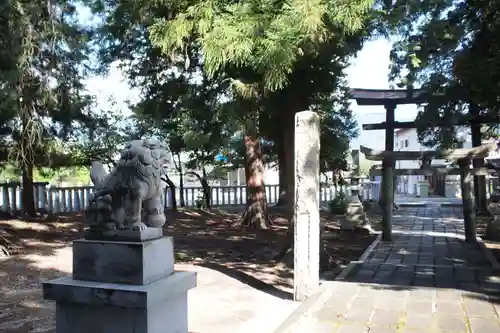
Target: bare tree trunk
[
  {"x": 27, "y": 158},
  {"x": 205, "y": 187},
  {"x": 282, "y": 175},
  {"x": 289, "y": 178},
  {"x": 479, "y": 181},
  {"x": 178, "y": 166},
  {"x": 28, "y": 191},
  {"x": 255, "y": 215},
  {"x": 171, "y": 185}
]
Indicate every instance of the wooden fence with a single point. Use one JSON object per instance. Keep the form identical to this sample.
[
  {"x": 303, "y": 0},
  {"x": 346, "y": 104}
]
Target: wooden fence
[{"x": 75, "y": 199}]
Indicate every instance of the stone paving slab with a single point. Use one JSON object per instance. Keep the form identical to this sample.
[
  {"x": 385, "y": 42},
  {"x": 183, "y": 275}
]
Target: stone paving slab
[
  {"x": 426, "y": 280},
  {"x": 377, "y": 308}
]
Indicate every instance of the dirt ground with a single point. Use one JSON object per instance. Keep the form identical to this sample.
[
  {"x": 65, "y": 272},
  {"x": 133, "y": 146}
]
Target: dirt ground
[{"x": 232, "y": 263}]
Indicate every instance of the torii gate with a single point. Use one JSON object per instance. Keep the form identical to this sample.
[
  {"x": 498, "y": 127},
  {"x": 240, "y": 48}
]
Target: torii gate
[
  {"x": 464, "y": 158},
  {"x": 390, "y": 98}
]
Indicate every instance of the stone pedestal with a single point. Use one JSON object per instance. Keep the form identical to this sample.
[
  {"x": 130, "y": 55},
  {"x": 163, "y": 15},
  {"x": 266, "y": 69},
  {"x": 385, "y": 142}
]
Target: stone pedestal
[
  {"x": 123, "y": 262},
  {"x": 493, "y": 227},
  {"x": 121, "y": 287}
]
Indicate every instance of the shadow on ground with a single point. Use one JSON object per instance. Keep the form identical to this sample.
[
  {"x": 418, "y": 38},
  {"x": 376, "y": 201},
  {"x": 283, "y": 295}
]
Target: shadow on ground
[
  {"x": 38, "y": 252},
  {"x": 211, "y": 239},
  {"x": 448, "y": 263},
  {"x": 204, "y": 237}
]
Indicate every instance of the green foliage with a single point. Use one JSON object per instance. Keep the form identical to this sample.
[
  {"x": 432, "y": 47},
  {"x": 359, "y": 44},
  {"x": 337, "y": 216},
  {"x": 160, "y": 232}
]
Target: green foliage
[
  {"x": 260, "y": 42},
  {"x": 450, "y": 48},
  {"x": 339, "y": 204},
  {"x": 73, "y": 175},
  {"x": 212, "y": 72},
  {"x": 44, "y": 59},
  {"x": 106, "y": 135}
]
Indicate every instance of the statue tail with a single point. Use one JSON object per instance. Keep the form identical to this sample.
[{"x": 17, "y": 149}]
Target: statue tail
[{"x": 97, "y": 173}]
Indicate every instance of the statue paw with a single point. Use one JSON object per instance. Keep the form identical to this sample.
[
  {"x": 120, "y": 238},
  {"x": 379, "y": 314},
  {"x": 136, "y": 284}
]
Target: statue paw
[
  {"x": 109, "y": 226},
  {"x": 139, "y": 226},
  {"x": 156, "y": 220}
]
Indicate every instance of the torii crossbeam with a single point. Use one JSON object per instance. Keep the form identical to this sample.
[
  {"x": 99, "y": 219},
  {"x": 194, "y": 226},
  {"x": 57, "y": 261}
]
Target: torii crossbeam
[
  {"x": 462, "y": 156},
  {"x": 456, "y": 154}
]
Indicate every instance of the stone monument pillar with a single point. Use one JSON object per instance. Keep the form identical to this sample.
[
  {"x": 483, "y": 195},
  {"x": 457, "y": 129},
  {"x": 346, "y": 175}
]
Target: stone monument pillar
[
  {"x": 123, "y": 277},
  {"x": 306, "y": 209},
  {"x": 355, "y": 216}
]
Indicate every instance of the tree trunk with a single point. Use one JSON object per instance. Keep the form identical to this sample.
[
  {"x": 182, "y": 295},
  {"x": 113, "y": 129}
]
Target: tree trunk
[
  {"x": 171, "y": 185},
  {"x": 289, "y": 139},
  {"x": 479, "y": 181},
  {"x": 178, "y": 166},
  {"x": 289, "y": 178},
  {"x": 205, "y": 187},
  {"x": 28, "y": 191},
  {"x": 255, "y": 215},
  {"x": 282, "y": 174},
  {"x": 27, "y": 194}
]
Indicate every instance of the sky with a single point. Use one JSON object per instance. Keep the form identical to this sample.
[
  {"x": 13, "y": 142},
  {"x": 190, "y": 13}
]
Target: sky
[{"x": 368, "y": 70}]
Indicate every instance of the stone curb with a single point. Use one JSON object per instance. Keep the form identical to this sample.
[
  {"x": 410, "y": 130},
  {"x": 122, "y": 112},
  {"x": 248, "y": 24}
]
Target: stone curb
[
  {"x": 430, "y": 204},
  {"x": 316, "y": 300},
  {"x": 409, "y": 205},
  {"x": 487, "y": 252},
  {"x": 345, "y": 272},
  {"x": 370, "y": 248},
  {"x": 324, "y": 291}
]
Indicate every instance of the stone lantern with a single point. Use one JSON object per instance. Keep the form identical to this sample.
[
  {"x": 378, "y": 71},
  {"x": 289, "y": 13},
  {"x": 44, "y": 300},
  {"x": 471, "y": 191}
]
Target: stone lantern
[
  {"x": 493, "y": 227},
  {"x": 355, "y": 216}
]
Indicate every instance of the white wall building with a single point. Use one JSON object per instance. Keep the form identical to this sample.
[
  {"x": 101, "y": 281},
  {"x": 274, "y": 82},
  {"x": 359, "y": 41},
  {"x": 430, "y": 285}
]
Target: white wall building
[
  {"x": 407, "y": 140},
  {"x": 233, "y": 177},
  {"x": 238, "y": 177}
]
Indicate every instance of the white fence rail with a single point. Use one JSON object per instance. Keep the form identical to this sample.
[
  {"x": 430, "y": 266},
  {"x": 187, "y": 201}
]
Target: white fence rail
[{"x": 75, "y": 199}]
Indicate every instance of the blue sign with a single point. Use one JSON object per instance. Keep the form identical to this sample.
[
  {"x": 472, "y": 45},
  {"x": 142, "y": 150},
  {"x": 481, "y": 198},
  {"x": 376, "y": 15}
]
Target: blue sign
[{"x": 221, "y": 158}]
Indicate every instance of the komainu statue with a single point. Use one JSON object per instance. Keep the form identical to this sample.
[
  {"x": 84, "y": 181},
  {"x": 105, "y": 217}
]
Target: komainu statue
[{"x": 131, "y": 196}]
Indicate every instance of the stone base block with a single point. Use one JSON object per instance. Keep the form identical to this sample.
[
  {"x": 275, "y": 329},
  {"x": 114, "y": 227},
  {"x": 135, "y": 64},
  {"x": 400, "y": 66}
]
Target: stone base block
[
  {"x": 125, "y": 235},
  {"x": 92, "y": 307},
  {"x": 346, "y": 224},
  {"x": 494, "y": 208},
  {"x": 356, "y": 219},
  {"x": 135, "y": 263}
]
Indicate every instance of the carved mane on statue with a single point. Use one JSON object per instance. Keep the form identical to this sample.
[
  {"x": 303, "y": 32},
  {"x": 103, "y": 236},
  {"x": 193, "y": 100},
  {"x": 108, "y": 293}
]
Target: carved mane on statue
[{"x": 129, "y": 201}]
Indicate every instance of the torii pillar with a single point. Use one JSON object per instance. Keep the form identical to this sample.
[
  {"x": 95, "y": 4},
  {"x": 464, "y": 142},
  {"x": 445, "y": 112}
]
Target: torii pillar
[
  {"x": 388, "y": 174},
  {"x": 389, "y": 98}
]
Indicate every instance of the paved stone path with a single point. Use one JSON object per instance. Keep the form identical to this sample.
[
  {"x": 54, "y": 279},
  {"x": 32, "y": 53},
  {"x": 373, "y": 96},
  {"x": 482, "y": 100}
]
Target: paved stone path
[{"x": 427, "y": 280}]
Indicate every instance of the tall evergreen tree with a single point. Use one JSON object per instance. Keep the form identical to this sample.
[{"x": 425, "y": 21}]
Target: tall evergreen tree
[
  {"x": 448, "y": 48},
  {"x": 258, "y": 45},
  {"x": 42, "y": 56}
]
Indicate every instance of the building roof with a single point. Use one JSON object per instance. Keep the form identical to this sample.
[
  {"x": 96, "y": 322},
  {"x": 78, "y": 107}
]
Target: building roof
[{"x": 402, "y": 131}]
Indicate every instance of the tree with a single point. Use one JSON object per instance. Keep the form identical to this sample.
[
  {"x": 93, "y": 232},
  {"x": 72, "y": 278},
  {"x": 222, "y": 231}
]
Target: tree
[
  {"x": 453, "y": 54},
  {"x": 43, "y": 52},
  {"x": 106, "y": 135},
  {"x": 257, "y": 46},
  {"x": 197, "y": 124}
]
